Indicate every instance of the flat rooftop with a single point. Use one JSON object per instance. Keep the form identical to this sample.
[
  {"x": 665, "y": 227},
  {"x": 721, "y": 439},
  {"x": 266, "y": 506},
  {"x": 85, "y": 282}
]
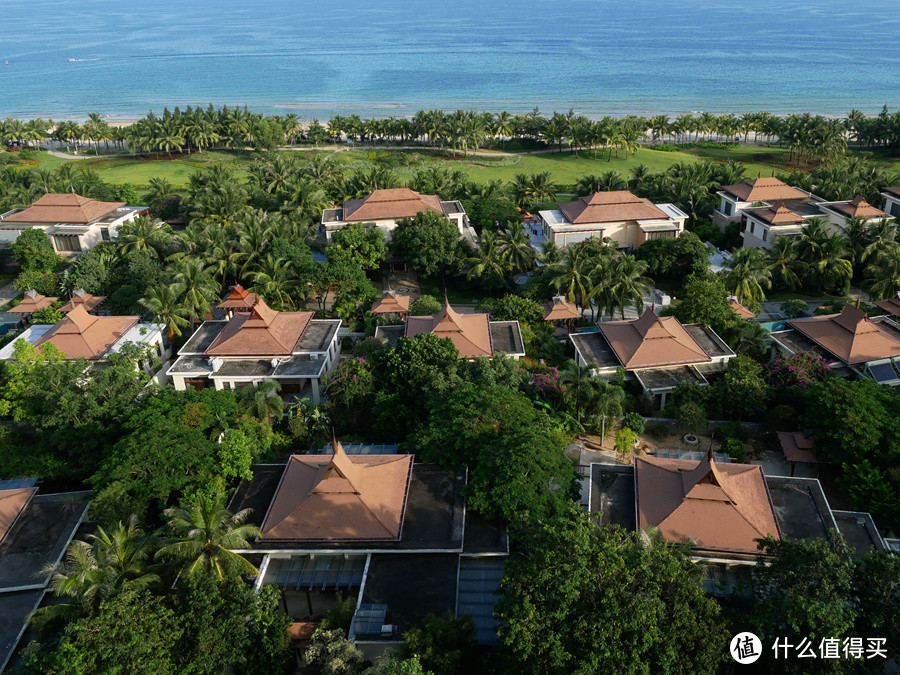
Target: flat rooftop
[
  {"x": 656, "y": 379},
  {"x": 202, "y": 338},
  {"x": 390, "y": 333},
  {"x": 506, "y": 336},
  {"x": 800, "y": 507},
  {"x": 612, "y": 495},
  {"x": 859, "y": 531},
  {"x": 318, "y": 335},
  {"x": 707, "y": 338},
  {"x": 595, "y": 349},
  {"x": 796, "y": 342}
]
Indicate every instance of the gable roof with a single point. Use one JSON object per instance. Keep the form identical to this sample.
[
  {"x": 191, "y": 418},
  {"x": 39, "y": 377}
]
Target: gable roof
[
  {"x": 764, "y": 190},
  {"x": 652, "y": 341},
  {"x": 64, "y": 208},
  {"x": 83, "y": 335},
  {"x": 260, "y": 332},
  {"x": 894, "y": 191},
  {"x": 238, "y": 298},
  {"x": 471, "y": 333},
  {"x": 391, "y": 303},
  {"x": 561, "y": 309},
  {"x": 891, "y": 305},
  {"x": 851, "y": 336},
  {"x": 340, "y": 498},
  {"x": 776, "y": 215},
  {"x": 719, "y": 507},
  {"x": 610, "y": 207},
  {"x": 857, "y": 208},
  {"x": 798, "y": 447},
  {"x": 32, "y": 302},
  {"x": 13, "y": 503},
  {"x": 83, "y": 298},
  {"x": 740, "y": 310},
  {"x": 390, "y": 205}
]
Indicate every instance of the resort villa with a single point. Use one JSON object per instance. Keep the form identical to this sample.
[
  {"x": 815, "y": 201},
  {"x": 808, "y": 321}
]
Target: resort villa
[
  {"x": 838, "y": 213},
  {"x": 391, "y": 305},
  {"x": 892, "y": 201},
  {"x": 473, "y": 334},
  {"x": 32, "y": 302},
  {"x": 383, "y": 208},
  {"x": 73, "y": 223},
  {"x": 659, "y": 352},
  {"x": 376, "y": 526},
  {"x": 259, "y": 344},
  {"x": 619, "y": 215},
  {"x": 851, "y": 343},
  {"x": 561, "y": 312}
]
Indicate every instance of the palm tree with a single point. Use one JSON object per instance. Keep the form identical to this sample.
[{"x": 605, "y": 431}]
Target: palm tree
[
  {"x": 141, "y": 234},
  {"x": 784, "y": 264},
  {"x": 515, "y": 248},
  {"x": 206, "y": 536},
  {"x": 578, "y": 386},
  {"x": 274, "y": 280},
  {"x": 487, "y": 262},
  {"x": 606, "y": 402},
  {"x": 201, "y": 290},
  {"x": 749, "y": 273},
  {"x": 628, "y": 284},
  {"x": 264, "y": 401},
  {"x": 166, "y": 304},
  {"x": 885, "y": 275}
]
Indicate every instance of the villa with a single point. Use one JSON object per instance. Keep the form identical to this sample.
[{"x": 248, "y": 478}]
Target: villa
[
  {"x": 32, "y": 302},
  {"x": 892, "y": 200},
  {"x": 618, "y": 215},
  {"x": 851, "y": 343},
  {"x": 473, "y": 334},
  {"x": 838, "y": 213},
  {"x": 391, "y": 305},
  {"x": 81, "y": 298},
  {"x": 561, "y": 312},
  {"x": 659, "y": 352},
  {"x": 261, "y": 344},
  {"x": 383, "y": 208},
  {"x": 73, "y": 223},
  {"x": 374, "y": 525}
]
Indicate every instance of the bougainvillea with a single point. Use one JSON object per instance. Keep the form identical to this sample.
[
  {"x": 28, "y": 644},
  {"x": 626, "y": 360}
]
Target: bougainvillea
[{"x": 799, "y": 370}]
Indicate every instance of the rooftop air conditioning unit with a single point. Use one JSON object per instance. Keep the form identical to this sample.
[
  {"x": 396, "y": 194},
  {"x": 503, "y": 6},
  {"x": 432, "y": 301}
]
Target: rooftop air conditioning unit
[
  {"x": 388, "y": 629},
  {"x": 662, "y": 299}
]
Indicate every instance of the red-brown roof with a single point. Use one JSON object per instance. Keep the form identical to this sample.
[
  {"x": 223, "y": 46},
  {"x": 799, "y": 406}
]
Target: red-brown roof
[
  {"x": 851, "y": 336},
  {"x": 857, "y": 208},
  {"x": 83, "y": 335},
  {"x": 741, "y": 311},
  {"x": 32, "y": 302},
  {"x": 238, "y": 298},
  {"x": 716, "y": 507},
  {"x": 84, "y": 299},
  {"x": 340, "y": 498},
  {"x": 13, "y": 503},
  {"x": 261, "y": 332},
  {"x": 610, "y": 207},
  {"x": 652, "y": 341},
  {"x": 764, "y": 190},
  {"x": 391, "y": 303},
  {"x": 64, "y": 208},
  {"x": 797, "y": 447},
  {"x": 390, "y": 204},
  {"x": 560, "y": 309},
  {"x": 891, "y": 305},
  {"x": 776, "y": 215},
  {"x": 895, "y": 190},
  {"x": 471, "y": 333}
]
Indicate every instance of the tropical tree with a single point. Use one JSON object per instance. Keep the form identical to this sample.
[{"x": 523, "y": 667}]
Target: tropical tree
[
  {"x": 166, "y": 303},
  {"x": 264, "y": 401},
  {"x": 201, "y": 290},
  {"x": 749, "y": 273},
  {"x": 579, "y": 386},
  {"x": 515, "y": 248},
  {"x": 606, "y": 402}
]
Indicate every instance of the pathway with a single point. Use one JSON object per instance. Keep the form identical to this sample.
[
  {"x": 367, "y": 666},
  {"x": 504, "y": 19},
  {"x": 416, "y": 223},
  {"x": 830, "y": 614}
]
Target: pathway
[{"x": 7, "y": 294}]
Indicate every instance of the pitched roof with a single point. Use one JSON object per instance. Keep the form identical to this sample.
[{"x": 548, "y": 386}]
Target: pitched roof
[
  {"x": 390, "y": 205},
  {"x": 560, "y": 309},
  {"x": 891, "y": 305},
  {"x": 83, "y": 335},
  {"x": 238, "y": 298},
  {"x": 652, "y": 341},
  {"x": 719, "y": 507},
  {"x": 894, "y": 190},
  {"x": 798, "y": 447},
  {"x": 12, "y": 503},
  {"x": 857, "y": 208},
  {"x": 32, "y": 302},
  {"x": 82, "y": 298},
  {"x": 471, "y": 333},
  {"x": 776, "y": 215},
  {"x": 610, "y": 207},
  {"x": 391, "y": 303},
  {"x": 764, "y": 190},
  {"x": 851, "y": 336},
  {"x": 740, "y": 310},
  {"x": 64, "y": 208},
  {"x": 260, "y": 332},
  {"x": 340, "y": 498}
]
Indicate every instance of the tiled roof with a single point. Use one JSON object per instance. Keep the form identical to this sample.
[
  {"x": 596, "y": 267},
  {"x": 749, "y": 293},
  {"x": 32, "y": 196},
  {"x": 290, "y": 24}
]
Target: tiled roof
[
  {"x": 741, "y": 311},
  {"x": 610, "y": 207},
  {"x": 894, "y": 190},
  {"x": 84, "y": 299},
  {"x": 469, "y": 332},
  {"x": 891, "y": 305},
  {"x": 238, "y": 298},
  {"x": 857, "y": 208},
  {"x": 391, "y": 303},
  {"x": 764, "y": 190},
  {"x": 261, "y": 332},
  {"x": 776, "y": 215},
  {"x": 652, "y": 341},
  {"x": 390, "y": 205},
  {"x": 798, "y": 447},
  {"x": 340, "y": 498},
  {"x": 64, "y": 208},
  {"x": 719, "y": 507},
  {"x": 560, "y": 309},
  {"x": 32, "y": 302},
  {"x": 83, "y": 335},
  {"x": 851, "y": 336},
  {"x": 12, "y": 503}
]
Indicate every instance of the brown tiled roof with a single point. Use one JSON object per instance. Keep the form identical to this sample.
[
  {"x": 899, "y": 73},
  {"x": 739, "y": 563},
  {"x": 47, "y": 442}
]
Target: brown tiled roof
[
  {"x": 12, "y": 503},
  {"x": 851, "y": 336},
  {"x": 84, "y": 299},
  {"x": 741, "y": 311},
  {"x": 778, "y": 215},
  {"x": 32, "y": 302},
  {"x": 64, "y": 208},
  {"x": 797, "y": 447},
  {"x": 857, "y": 208},
  {"x": 895, "y": 190},
  {"x": 471, "y": 333},
  {"x": 652, "y": 341},
  {"x": 340, "y": 498},
  {"x": 390, "y": 205},
  {"x": 391, "y": 303},
  {"x": 560, "y": 310},
  {"x": 764, "y": 190},
  {"x": 238, "y": 298},
  {"x": 716, "y": 507},
  {"x": 261, "y": 332},
  {"x": 83, "y": 335},
  {"x": 891, "y": 305},
  {"x": 610, "y": 207}
]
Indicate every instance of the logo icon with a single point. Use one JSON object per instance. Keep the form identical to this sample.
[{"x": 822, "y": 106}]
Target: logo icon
[{"x": 745, "y": 648}]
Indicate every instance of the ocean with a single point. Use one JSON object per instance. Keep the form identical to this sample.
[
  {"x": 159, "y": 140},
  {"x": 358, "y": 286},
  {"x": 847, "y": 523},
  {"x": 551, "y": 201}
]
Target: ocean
[{"x": 68, "y": 58}]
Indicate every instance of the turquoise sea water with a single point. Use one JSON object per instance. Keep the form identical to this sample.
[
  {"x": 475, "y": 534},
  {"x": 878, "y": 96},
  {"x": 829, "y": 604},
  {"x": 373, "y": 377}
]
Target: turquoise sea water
[{"x": 396, "y": 56}]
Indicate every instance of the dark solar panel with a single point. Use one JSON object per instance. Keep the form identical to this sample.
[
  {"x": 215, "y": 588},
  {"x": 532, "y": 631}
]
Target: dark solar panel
[
  {"x": 883, "y": 372},
  {"x": 369, "y": 619},
  {"x": 479, "y": 578}
]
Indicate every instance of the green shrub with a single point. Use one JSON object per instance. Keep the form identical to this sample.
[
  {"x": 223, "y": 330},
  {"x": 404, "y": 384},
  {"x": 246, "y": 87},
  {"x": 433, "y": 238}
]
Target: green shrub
[
  {"x": 341, "y": 615},
  {"x": 424, "y": 305},
  {"x": 794, "y": 308},
  {"x": 732, "y": 429},
  {"x": 734, "y": 447},
  {"x": 635, "y": 422},
  {"x": 781, "y": 418}
]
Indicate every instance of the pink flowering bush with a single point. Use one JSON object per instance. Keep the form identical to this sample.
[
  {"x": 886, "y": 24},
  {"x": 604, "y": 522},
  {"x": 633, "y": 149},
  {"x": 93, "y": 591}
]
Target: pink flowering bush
[{"x": 800, "y": 370}]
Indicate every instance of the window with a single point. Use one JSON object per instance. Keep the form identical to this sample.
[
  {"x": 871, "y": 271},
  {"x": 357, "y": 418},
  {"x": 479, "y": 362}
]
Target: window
[
  {"x": 752, "y": 227},
  {"x": 670, "y": 234},
  {"x": 67, "y": 243},
  {"x": 104, "y": 233},
  {"x": 197, "y": 383},
  {"x": 765, "y": 233},
  {"x": 728, "y": 208},
  {"x": 895, "y": 209}
]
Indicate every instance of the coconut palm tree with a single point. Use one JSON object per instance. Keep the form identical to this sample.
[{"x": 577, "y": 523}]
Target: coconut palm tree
[
  {"x": 274, "y": 280},
  {"x": 578, "y": 386},
  {"x": 784, "y": 264},
  {"x": 487, "y": 262},
  {"x": 166, "y": 304},
  {"x": 515, "y": 248},
  {"x": 201, "y": 290},
  {"x": 885, "y": 274},
  {"x": 628, "y": 285},
  {"x": 748, "y": 275},
  {"x": 142, "y": 234},
  {"x": 606, "y": 402},
  {"x": 264, "y": 402},
  {"x": 205, "y": 537}
]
